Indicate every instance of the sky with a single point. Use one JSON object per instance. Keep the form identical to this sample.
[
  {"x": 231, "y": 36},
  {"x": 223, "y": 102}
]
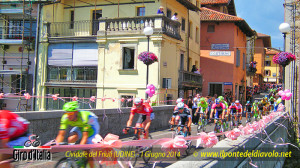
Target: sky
[{"x": 264, "y": 16}]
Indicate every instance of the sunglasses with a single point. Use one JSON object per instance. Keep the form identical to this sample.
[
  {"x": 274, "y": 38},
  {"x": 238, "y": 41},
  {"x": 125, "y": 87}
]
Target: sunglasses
[{"x": 70, "y": 113}]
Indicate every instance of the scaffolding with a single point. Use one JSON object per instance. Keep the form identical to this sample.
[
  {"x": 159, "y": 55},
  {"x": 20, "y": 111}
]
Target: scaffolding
[
  {"x": 292, "y": 17},
  {"x": 18, "y": 25}
]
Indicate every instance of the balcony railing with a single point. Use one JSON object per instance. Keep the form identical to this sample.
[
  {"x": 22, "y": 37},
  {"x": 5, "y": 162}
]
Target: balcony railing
[
  {"x": 115, "y": 26},
  {"x": 136, "y": 25},
  {"x": 76, "y": 28},
  {"x": 190, "y": 79}
]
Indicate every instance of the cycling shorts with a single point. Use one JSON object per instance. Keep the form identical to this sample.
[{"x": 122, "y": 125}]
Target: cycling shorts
[{"x": 142, "y": 118}]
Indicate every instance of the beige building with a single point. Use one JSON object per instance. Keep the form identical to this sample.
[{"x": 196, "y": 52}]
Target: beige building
[
  {"x": 272, "y": 70},
  {"x": 90, "y": 48}
]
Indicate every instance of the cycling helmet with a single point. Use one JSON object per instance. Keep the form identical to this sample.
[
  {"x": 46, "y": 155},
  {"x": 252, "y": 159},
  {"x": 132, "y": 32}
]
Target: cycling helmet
[
  {"x": 180, "y": 105},
  {"x": 248, "y": 102},
  {"x": 279, "y": 100},
  {"x": 221, "y": 98},
  {"x": 233, "y": 104},
  {"x": 179, "y": 100},
  {"x": 202, "y": 100},
  {"x": 71, "y": 106},
  {"x": 218, "y": 101},
  {"x": 237, "y": 102},
  {"x": 138, "y": 101}
]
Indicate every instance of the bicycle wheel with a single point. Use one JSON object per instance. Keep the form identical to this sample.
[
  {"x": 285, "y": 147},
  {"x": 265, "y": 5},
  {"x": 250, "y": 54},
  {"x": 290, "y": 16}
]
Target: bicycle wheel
[
  {"x": 66, "y": 163},
  {"x": 149, "y": 150},
  {"x": 133, "y": 159},
  {"x": 189, "y": 144}
]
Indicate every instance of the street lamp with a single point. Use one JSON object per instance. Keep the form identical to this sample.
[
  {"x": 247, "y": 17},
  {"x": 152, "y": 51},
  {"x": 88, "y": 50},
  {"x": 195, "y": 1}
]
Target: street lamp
[
  {"x": 148, "y": 31},
  {"x": 284, "y": 28}
]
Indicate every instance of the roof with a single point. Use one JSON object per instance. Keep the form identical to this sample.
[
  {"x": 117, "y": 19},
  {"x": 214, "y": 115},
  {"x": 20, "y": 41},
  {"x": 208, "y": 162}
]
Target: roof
[
  {"x": 212, "y": 15},
  {"x": 188, "y": 5},
  {"x": 229, "y": 3},
  {"x": 215, "y": 2},
  {"x": 209, "y": 15},
  {"x": 272, "y": 51},
  {"x": 266, "y": 39}
]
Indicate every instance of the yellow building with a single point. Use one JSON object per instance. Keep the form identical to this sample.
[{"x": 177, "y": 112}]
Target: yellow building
[
  {"x": 90, "y": 48},
  {"x": 271, "y": 70}
]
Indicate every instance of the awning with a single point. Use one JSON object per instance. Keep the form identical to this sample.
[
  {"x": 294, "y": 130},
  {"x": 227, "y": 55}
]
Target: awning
[
  {"x": 189, "y": 5},
  {"x": 12, "y": 41}
]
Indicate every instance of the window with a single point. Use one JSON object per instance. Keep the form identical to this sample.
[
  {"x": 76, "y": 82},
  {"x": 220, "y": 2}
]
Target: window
[
  {"x": 182, "y": 24},
  {"x": 141, "y": 11},
  {"x": 197, "y": 39},
  {"x": 267, "y": 63},
  {"x": 128, "y": 58},
  {"x": 169, "y": 13},
  {"x": 126, "y": 102},
  {"x": 14, "y": 29},
  {"x": 96, "y": 15},
  {"x": 181, "y": 61},
  {"x": 267, "y": 73},
  {"x": 72, "y": 19},
  {"x": 238, "y": 59},
  {"x": 167, "y": 83},
  {"x": 190, "y": 30},
  {"x": 17, "y": 83},
  {"x": 244, "y": 61},
  {"x": 211, "y": 28},
  {"x": 71, "y": 92}
]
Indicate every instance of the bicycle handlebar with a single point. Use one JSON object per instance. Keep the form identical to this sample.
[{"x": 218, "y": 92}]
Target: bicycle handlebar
[{"x": 135, "y": 128}]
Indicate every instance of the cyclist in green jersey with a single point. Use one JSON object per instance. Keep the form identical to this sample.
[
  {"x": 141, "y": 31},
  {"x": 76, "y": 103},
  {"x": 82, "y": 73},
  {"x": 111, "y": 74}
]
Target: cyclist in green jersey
[
  {"x": 221, "y": 98},
  {"x": 203, "y": 106},
  {"x": 85, "y": 124}
]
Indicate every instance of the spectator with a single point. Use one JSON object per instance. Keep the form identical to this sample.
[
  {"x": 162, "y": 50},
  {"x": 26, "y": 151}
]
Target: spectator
[
  {"x": 160, "y": 10},
  {"x": 174, "y": 17},
  {"x": 194, "y": 108}
]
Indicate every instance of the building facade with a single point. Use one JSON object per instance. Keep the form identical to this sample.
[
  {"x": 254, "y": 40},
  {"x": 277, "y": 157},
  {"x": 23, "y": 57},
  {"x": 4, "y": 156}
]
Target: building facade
[
  {"x": 262, "y": 41},
  {"x": 273, "y": 72},
  {"x": 91, "y": 49},
  {"x": 223, "y": 52},
  {"x": 17, "y": 46}
]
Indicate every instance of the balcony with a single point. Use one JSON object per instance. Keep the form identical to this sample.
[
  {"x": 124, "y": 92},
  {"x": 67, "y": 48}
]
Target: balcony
[
  {"x": 14, "y": 32},
  {"x": 114, "y": 27},
  {"x": 189, "y": 79}
]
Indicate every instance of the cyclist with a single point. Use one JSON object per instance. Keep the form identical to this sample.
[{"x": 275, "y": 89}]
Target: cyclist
[
  {"x": 255, "y": 108},
  {"x": 271, "y": 100},
  {"x": 85, "y": 124},
  {"x": 232, "y": 110},
  {"x": 239, "y": 108},
  {"x": 265, "y": 104},
  {"x": 260, "y": 108},
  {"x": 145, "y": 117},
  {"x": 13, "y": 132},
  {"x": 218, "y": 110},
  {"x": 221, "y": 98},
  {"x": 278, "y": 105},
  {"x": 248, "y": 110},
  {"x": 203, "y": 106},
  {"x": 185, "y": 116}
]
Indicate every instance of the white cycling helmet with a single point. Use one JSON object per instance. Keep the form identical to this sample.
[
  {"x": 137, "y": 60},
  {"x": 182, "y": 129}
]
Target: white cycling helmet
[
  {"x": 179, "y": 100},
  {"x": 180, "y": 105},
  {"x": 138, "y": 101},
  {"x": 237, "y": 101}
]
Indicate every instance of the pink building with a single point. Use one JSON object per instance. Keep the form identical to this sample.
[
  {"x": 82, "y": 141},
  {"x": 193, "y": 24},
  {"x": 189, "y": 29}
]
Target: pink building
[{"x": 223, "y": 53}]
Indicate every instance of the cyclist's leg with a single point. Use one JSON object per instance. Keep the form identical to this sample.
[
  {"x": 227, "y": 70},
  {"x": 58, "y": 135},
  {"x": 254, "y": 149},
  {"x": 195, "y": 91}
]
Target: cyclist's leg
[
  {"x": 146, "y": 124},
  {"x": 138, "y": 124}
]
